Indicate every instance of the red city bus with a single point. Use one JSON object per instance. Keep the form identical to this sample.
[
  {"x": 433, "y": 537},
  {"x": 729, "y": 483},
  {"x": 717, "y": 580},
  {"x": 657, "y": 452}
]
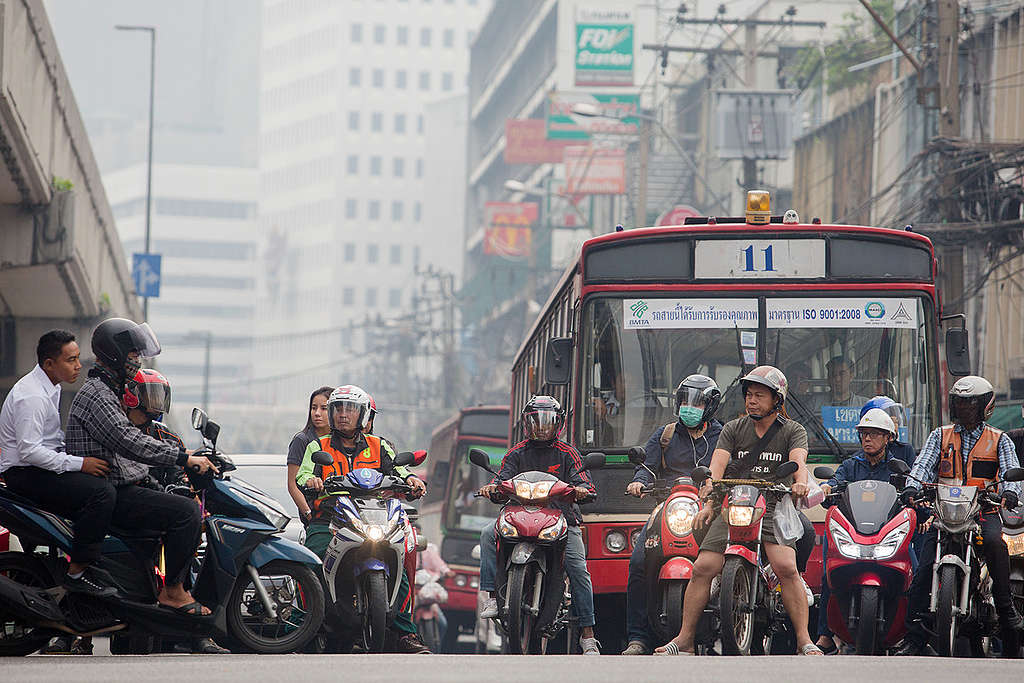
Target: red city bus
[
  {"x": 450, "y": 516},
  {"x": 641, "y": 309}
]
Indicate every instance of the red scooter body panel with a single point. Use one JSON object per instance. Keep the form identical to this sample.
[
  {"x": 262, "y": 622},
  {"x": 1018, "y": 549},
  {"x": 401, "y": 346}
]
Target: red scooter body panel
[
  {"x": 672, "y": 545},
  {"x": 676, "y": 568}
]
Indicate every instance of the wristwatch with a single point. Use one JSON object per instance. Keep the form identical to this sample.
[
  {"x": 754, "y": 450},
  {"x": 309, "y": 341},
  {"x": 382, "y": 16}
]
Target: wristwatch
[{"x": 306, "y": 517}]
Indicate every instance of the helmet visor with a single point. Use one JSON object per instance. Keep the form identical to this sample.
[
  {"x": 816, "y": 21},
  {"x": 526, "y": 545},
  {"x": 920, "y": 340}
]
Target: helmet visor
[
  {"x": 541, "y": 425},
  {"x": 895, "y": 411},
  {"x": 154, "y": 397},
  {"x": 140, "y": 338},
  {"x": 688, "y": 396},
  {"x": 347, "y": 414}
]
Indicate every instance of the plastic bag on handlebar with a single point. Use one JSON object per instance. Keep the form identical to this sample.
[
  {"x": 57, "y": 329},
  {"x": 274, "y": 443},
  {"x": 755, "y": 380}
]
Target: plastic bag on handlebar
[{"x": 788, "y": 526}]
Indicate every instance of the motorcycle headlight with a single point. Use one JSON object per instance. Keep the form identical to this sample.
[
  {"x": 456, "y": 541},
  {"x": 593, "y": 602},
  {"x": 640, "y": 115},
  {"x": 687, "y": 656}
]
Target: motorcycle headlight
[
  {"x": 744, "y": 515},
  {"x": 615, "y": 541},
  {"x": 554, "y": 531},
  {"x": 268, "y": 508},
  {"x": 844, "y": 544},
  {"x": 891, "y": 542},
  {"x": 954, "y": 513},
  {"x": 680, "y": 513},
  {"x": 1014, "y": 544},
  {"x": 532, "y": 490},
  {"x": 506, "y": 529}
]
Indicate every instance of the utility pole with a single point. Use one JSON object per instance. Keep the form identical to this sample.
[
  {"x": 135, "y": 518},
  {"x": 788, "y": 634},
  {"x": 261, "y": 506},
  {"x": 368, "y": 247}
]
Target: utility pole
[
  {"x": 750, "y": 76},
  {"x": 948, "y": 73},
  {"x": 645, "y": 153}
]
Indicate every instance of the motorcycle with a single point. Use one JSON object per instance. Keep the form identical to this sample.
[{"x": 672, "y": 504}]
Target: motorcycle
[
  {"x": 373, "y": 544},
  {"x": 533, "y": 600},
  {"x": 261, "y": 588},
  {"x": 1013, "y": 536},
  {"x": 750, "y": 607},
  {"x": 430, "y": 595},
  {"x": 670, "y": 550},
  {"x": 869, "y": 567}
]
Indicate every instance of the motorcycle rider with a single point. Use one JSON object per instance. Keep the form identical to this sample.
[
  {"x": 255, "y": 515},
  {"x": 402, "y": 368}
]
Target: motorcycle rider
[
  {"x": 972, "y": 453},
  {"x": 877, "y": 431},
  {"x": 764, "y": 392},
  {"x": 348, "y": 409},
  {"x": 896, "y": 448},
  {"x": 673, "y": 451},
  {"x": 542, "y": 450},
  {"x": 98, "y": 427}
]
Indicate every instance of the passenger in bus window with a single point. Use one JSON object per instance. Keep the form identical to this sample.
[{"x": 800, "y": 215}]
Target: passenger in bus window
[{"x": 839, "y": 375}]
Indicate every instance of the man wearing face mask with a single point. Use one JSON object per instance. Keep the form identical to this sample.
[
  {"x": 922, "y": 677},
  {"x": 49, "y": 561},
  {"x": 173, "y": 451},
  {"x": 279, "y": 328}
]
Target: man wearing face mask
[{"x": 673, "y": 451}]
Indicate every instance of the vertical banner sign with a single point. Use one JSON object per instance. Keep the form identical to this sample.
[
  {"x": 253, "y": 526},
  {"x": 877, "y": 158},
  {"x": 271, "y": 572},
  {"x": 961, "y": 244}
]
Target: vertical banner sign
[
  {"x": 507, "y": 228},
  {"x": 595, "y": 170},
  {"x": 604, "y": 47}
]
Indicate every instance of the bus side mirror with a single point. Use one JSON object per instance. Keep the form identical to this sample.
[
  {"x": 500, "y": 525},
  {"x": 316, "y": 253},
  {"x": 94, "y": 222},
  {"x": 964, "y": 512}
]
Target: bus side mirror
[
  {"x": 322, "y": 458},
  {"x": 958, "y": 353},
  {"x": 558, "y": 360}
]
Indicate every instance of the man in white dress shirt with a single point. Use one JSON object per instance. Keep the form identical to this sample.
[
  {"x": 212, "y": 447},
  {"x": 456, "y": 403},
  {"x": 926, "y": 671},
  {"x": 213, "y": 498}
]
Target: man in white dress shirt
[{"x": 33, "y": 463}]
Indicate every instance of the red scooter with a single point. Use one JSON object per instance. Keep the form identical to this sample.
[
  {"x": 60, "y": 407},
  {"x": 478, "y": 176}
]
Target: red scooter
[
  {"x": 532, "y": 534},
  {"x": 869, "y": 568}
]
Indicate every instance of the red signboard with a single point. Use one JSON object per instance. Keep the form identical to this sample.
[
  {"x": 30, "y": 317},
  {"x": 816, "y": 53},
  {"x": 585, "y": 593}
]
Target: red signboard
[
  {"x": 677, "y": 215},
  {"x": 592, "y": 170},
  {"x": 526, "y": 142},
  {"x": 507, "y": 226}
]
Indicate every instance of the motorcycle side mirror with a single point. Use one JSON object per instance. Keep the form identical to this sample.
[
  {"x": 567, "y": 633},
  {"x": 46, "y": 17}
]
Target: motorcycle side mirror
[
  {"x": 421, "y": 543},
  {"x": 785, "y": 469},
  {"x": 405, "y": 458},
  {"x": 823, "y": 472},
  {"x": 323, "y": 458},
  {"x": 637, "y": 455},
  {"x": 594, "y": 461},
  {"x": 475, "y": 552},
  {"x": 199, "y": 419},
  {"x": 480, "y": 459},
  {"x": 897, "y": 466},
  {"x": 700, "y": 475},
  {"x": 211, "y": 430},
  {"x": 418, "y": 457},
  {"x": 1014, "y": 474}
]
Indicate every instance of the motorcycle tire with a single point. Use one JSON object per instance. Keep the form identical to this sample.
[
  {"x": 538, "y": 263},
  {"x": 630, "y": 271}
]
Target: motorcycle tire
[
  {"x": 667, "y": 627},
  {"x": 124, "y": 644},
  {"x": 869, "y": 606},
  {"x": 17, "y": 638},
  {"x": 521, "y": 622},
  {"x": 284, "y": 636},
  {"x": 737, "y": 614},
  {"x": 430, "y": 634},
  {"x": 375, "y": 599},
  {"x": 945, "y": 620}
]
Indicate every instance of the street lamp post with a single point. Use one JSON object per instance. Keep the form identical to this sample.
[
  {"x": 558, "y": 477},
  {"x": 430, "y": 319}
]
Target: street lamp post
[
  {"x": 206, "y": 338},
  {"x": 149, "y": 143}
]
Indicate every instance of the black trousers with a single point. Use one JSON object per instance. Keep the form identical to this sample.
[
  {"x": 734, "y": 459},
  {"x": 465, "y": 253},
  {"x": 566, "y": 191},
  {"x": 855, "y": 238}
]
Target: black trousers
[
  {"x": 175, "y": 517},
  {"x": 996, "y": 557},
  {"x": 86, "y": 500}
]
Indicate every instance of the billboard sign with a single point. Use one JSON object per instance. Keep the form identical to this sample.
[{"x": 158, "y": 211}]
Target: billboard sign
[
  {"x": 507, "y": 228},
  {"x": 526, "y": 142},
  {"x": 604, "y": 47},
  {"x": 618, "y": 115},
  {"x": 593, "y": 170}
]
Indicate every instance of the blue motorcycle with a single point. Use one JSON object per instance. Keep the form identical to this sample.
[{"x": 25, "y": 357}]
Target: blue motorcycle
[{"x": 264, "y": 591}]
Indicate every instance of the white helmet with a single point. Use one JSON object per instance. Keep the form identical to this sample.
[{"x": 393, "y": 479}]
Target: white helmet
[
  {"x": 976, "y": 390},
  {"x": 350, "y": 394},
  {"x": 876, "y": 418}
]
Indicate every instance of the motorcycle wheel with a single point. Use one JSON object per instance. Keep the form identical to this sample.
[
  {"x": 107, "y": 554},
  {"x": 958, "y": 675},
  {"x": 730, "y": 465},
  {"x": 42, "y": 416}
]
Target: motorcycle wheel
[
  {"x": 19, "y": 638},
  {"x": 737, "y": 614},
  {"x": 430, "y": 634},
  {"x": 520, "y": 620},
  {"x": 867, "y": 621},
  {"x": 672, "y": 607},
  {"x": 249, "y": 626},
  {"x": 376, "y": 603},
  {"x": 945, "y": 621}
]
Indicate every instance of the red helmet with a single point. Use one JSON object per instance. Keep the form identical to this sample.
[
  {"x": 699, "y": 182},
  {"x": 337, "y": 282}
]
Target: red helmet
[{"x": 150, "y": 392}]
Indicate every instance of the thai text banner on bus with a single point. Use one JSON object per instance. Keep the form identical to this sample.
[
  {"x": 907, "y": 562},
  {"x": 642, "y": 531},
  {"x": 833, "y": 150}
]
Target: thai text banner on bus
[{"x": 845, "y": 312}]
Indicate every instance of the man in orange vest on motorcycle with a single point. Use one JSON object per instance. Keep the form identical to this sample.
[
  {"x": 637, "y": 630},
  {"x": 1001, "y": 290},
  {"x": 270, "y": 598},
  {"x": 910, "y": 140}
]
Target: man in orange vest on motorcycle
[
  {"x": 968, "y": 452},
  {"x": 349, "y": 412}
]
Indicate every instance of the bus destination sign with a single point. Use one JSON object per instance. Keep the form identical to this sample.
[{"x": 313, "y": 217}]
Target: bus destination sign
[{"x": 730, "y": 259}]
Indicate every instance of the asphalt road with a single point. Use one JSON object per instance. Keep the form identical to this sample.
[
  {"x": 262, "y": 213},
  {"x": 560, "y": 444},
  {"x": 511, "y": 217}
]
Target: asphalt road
[{"x": 477, "y": 668}]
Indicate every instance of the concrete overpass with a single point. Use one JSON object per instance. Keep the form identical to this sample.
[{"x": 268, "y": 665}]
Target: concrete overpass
[{"x": 61, "y": 260}]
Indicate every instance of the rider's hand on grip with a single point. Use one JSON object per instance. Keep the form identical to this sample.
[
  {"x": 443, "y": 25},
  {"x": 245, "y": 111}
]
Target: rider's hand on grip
[
  {"x": 314, "y": 484},
  {"x": 200, "y": 464},
  {"x": 909, "y": 494},
  {"x": 1009, "y": 499},
  {"x": 487, "y": 490},
  {"x": 635, "y": 488},
  {"x": 583, "y": 492},
  {"x": 416, "y": 486}
]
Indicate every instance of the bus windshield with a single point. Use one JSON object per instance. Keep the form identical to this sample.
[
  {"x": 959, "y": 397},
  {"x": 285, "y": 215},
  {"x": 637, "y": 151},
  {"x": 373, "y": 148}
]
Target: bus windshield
[
  {"x": 464, "y": 512},
  {"x": 837, "y": 352}
]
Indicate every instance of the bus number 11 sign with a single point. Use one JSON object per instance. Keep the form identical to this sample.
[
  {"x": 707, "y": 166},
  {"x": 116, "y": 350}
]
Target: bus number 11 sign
[{"x": 733, "y": 259}]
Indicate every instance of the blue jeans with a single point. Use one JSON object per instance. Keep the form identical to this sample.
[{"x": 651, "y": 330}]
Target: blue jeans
[
  {"x": 637, "y": 627},
  {"x": 826, "y": 592},
  {"x": 575, "y": 567}
]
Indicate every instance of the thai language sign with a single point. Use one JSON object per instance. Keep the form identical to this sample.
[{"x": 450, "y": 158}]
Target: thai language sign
[
  {"x": 526, "y": 142},
  {"x": 604, "y": 47},
  {"x": 618, "y": 115},
  {"x": 843, "y": 312},
  {"x": 652, "y": 314},
  {"x": 593, "y": 170},
  {"x": 507, "y": 228}
]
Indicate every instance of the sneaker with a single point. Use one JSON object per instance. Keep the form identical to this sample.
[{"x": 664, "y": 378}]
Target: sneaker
[
  {"x": 637, "y": 647},
  {"x": 489, "y": 610},
  {"x": 808, "y": 592},
  {"x": 909, "y": 648},
  {"x": 58, "y": 645},
  {"x": 85, "y": 584},
  {"x": 590, "y": 646},
  {"x": 410, "y": 644}
]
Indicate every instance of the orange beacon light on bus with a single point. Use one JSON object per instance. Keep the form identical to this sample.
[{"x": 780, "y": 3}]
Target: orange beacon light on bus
[{"x": 759, "y": 210}]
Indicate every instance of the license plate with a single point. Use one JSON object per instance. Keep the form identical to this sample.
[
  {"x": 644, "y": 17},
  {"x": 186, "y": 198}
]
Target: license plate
[{"x": 1015, "y": 544}]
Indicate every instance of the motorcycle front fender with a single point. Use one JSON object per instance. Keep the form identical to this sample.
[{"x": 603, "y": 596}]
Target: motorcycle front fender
[
  {"x": 954, "y": 560},
  {"x": 742, "y": 551},
  {"x": 676, "y": 568},
  {"x": 527, "y": 552},
  {"x": 277, "y": 548},
  {"x": 371, "y": 564}
]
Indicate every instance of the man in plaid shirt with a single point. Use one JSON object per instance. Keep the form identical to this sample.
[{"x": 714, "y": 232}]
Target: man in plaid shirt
[
  {"x": 971, "y": 453},
  {"x": 99, "y": 428}
]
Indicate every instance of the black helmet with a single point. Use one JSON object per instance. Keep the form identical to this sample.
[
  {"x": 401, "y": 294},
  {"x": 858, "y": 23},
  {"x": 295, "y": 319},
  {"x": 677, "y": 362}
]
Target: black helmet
[
  {"x": 114, "y": 338},
  {"x": 700, "y": 392},
  {"x": 542, "y": 418}
]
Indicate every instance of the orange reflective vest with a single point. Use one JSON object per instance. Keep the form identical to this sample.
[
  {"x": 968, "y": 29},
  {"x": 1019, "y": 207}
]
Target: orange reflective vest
[
  {"x": 368, "y": 457},
  {"x": 982, "y": 467}
]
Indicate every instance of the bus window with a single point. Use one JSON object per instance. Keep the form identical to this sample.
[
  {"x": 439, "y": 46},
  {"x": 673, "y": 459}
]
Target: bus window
[{"x": 465, "y": 512}]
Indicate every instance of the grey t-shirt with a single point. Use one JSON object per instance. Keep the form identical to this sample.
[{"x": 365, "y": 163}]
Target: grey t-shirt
[
  {"x": 739, "y": 438},
  {"x": 297, "y": 448}
]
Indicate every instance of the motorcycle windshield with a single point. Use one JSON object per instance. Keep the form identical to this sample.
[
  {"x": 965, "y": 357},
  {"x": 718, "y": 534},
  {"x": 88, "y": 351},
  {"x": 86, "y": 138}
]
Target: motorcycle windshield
[
  {"x": 870, "y": 504},
  {"x": 533, "y": 477}
]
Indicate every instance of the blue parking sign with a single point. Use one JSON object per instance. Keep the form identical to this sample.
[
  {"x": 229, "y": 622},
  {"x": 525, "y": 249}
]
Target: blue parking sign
[{"x": 146, "y": 274}]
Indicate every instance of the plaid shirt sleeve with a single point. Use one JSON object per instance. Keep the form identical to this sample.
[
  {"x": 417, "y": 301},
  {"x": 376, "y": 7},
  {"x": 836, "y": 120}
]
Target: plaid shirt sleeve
[
  {"x": 928, "y": 459},
  {"x": 1007, "y": 460},
  {"x": 109, "y": 426}
]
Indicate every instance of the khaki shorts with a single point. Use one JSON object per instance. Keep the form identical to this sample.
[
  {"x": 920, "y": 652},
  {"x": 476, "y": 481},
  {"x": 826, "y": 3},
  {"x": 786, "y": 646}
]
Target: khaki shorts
[{"x": 718, "y": 533}]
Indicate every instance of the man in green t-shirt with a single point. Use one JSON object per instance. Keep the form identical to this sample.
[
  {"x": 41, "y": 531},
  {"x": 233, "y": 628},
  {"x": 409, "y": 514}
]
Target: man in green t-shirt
[{"x": 764, "y": 393}]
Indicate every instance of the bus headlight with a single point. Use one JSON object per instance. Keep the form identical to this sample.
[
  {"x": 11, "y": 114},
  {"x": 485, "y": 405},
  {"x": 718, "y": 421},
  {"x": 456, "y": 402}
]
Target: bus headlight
[
  {"x": 679, "y": 516},
  {"x": 615, "y": 541}
]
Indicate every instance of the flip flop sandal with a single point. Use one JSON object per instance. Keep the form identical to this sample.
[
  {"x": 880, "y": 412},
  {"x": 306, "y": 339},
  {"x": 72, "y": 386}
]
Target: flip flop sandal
[
  {"x": 671, "y": 649},
  {"x": 811, "y": 650},
  {"x": 192, "y": 609},
  {"x": 829, "y": 649}
]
